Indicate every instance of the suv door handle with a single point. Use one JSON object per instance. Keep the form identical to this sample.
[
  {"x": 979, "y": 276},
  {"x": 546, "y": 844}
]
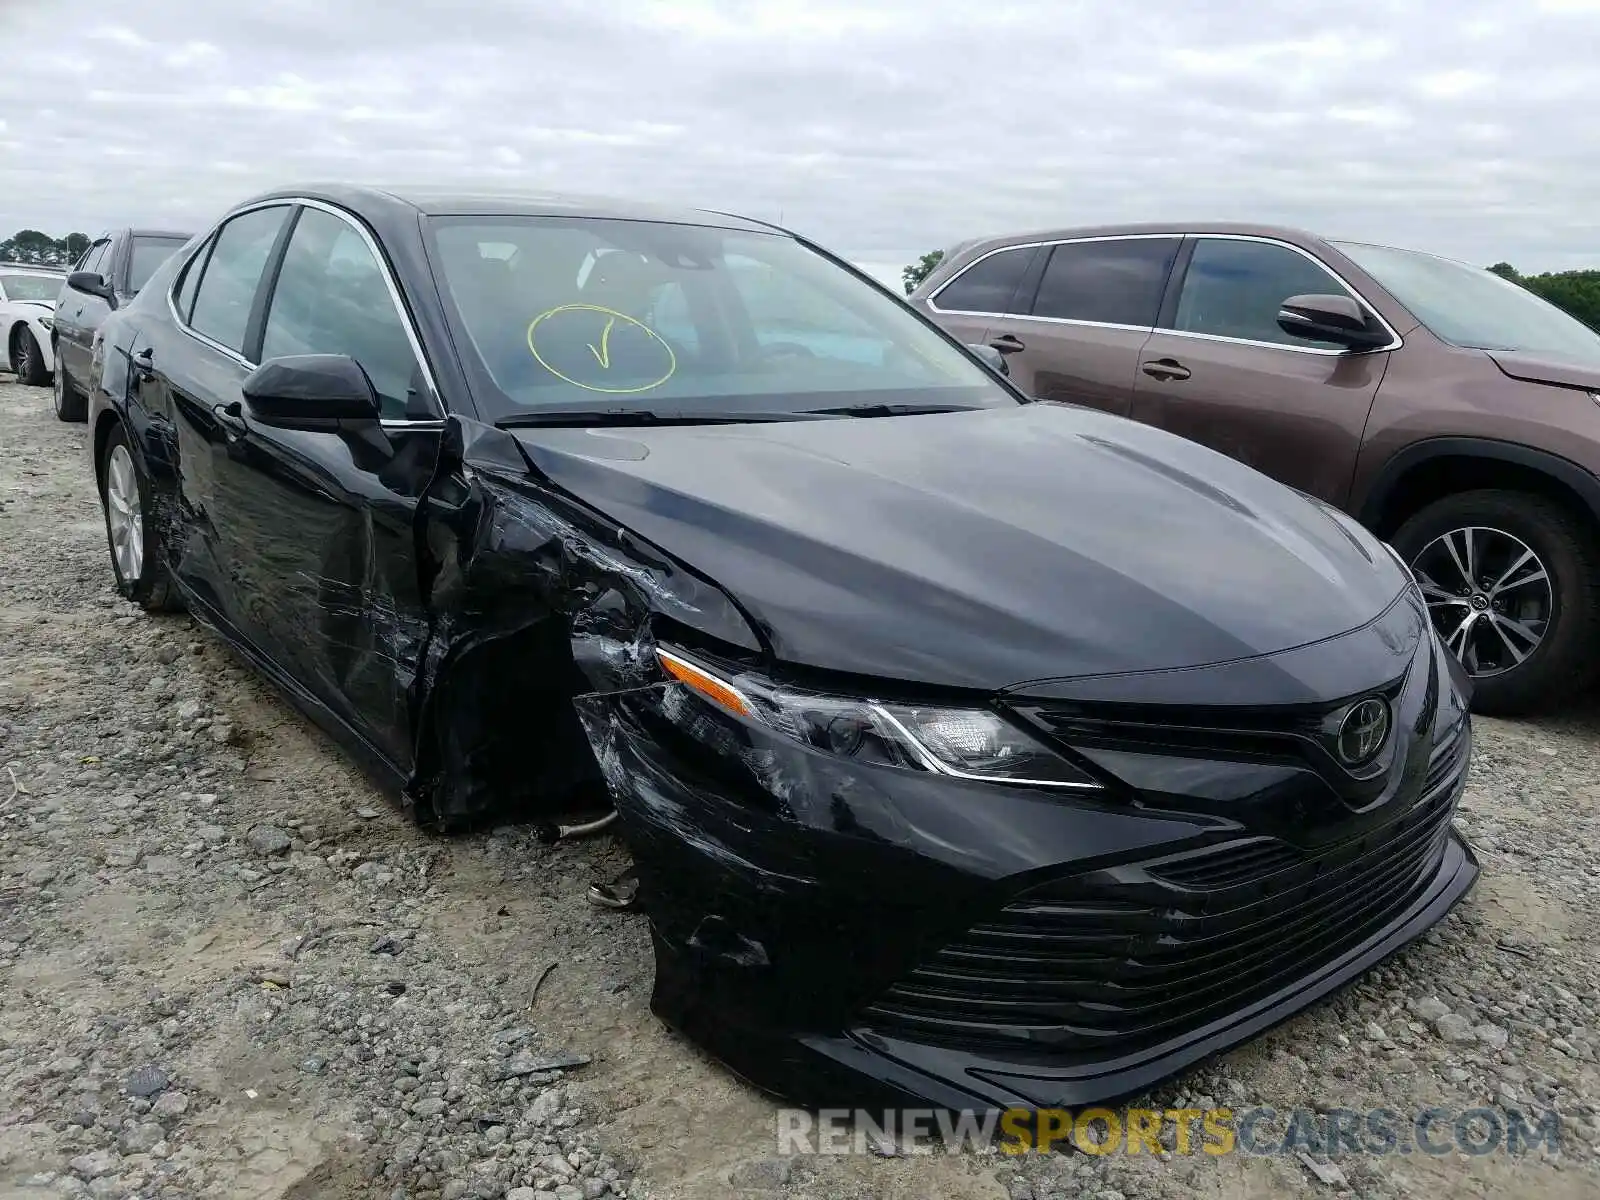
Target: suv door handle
[
  {"x": 1165, "y": 368},
  {"x": 1007, "y": 343}
]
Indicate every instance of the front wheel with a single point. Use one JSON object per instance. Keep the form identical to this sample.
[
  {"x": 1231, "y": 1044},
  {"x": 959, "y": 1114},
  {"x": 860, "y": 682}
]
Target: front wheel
[
  {"x": 131, "y": 536},
  {"x": 27, "y": 360},
  {"x": 70, "y": 403},
  {"x": 1512, "y": 582}
]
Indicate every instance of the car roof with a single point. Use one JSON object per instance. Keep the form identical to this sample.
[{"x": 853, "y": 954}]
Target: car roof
[
  {"x": 160, "y": 233},
  {"x": 1146, "y": 228},
  {"x": 372, "y": 201}
]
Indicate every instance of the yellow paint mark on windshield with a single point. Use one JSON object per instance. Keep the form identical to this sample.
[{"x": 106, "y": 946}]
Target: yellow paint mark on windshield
[
  {"x": 603, "y": 355},
  {"x": 602, "y": 351}
]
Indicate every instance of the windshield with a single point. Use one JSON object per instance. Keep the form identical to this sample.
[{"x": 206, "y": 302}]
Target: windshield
[
  {"x": 148, "y": 254},
  {"x": 1467, "y": 306},
  {"x": 580, "y": 313},
  {"x": 31, "y": 287}
]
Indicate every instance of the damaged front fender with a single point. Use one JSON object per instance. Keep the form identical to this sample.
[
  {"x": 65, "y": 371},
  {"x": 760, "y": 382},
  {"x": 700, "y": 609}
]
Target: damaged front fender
[{"x": 532, "y": 599}]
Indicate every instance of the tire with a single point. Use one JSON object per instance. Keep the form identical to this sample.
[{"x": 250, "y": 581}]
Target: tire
[
  {"x": 70, "y": 403},
  {"x": 27, "y": 360},
  {"x": 1564, "y": 658},
  {"x": 132, "y": 538}
]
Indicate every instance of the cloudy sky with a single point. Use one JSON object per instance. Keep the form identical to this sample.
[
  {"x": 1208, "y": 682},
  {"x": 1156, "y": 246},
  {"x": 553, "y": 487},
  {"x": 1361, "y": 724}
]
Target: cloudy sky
[{"x": 881, "y": 127}]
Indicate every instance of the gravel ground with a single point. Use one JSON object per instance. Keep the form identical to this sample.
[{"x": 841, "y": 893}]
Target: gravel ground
[{"x": 230, "y": 967}]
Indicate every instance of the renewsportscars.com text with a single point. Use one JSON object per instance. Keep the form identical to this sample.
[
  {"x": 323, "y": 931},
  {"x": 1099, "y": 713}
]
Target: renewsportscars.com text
[{"x": 1257, "y": 1130}]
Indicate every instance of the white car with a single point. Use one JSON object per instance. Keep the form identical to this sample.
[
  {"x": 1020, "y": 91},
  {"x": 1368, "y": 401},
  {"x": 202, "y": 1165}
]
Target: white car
[{"x": 28, "y": 297}]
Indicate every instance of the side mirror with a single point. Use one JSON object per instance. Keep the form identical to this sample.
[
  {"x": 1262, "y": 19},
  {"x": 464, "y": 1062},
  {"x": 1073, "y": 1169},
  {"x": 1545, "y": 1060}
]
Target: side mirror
[
  {"x": 310, "y": 391},
  {"x": 992, "y": 358},
  {"x": 1331, "y": 319},
  {"x": 90, "y": 284}
]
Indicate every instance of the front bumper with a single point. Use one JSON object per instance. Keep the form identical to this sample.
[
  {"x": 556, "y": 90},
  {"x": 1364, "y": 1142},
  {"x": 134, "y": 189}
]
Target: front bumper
[
  {"x": 41, "y": 335},
  {"x": 843, "y": 935},
  {"x": 945, "y": 1076}
]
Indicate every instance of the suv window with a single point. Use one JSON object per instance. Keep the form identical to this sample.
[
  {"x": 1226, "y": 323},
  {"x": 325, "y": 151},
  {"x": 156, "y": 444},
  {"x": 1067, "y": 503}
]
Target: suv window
[
  {"x": 988, "y": 285},
  {"x": 1234, "y": 289},
  {"x": 147, "y": 254},
  {"x": 1115, "y": 282},
  {"x": 331, "y": 298},
  {"x": 232, "y": 274},
  {"x": 95, "y": 260}
]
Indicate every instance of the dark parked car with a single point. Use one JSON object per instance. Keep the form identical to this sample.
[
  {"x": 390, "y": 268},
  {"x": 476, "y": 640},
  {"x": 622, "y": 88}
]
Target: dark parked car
[
  {"x": 110, "y": 273},
  {"x": 1453, "y": 412},
  {"x": 970, "y": 749}
]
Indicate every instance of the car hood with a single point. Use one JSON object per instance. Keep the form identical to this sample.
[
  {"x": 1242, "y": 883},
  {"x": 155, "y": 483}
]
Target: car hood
[
  {"x": 1536, "y": 369},
  {"x": 986, "y": 548}
]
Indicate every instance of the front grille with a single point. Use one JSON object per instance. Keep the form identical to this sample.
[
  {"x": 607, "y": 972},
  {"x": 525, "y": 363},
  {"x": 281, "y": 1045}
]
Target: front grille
[
  {"x": 1115, "y": 960},
  {"x": 1228, "y": 865},
  {"x": 1448, "y": 760}
]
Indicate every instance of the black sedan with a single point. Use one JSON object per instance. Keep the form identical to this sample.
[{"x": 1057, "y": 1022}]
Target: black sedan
[{"x": 970, "y": 750}]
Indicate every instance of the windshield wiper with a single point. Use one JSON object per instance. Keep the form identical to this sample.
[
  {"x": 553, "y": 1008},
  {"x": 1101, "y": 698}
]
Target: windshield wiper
[
  {"x": 581, "y": 417},
  {"x": 891, "y": 410}
]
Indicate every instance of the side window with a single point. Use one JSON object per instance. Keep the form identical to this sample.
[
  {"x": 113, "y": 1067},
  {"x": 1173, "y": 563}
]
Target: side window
[
  {"x": 988, "y": 285},
  {"x": 232, "y": 274},
  {"x": 1234, "y": 288},
  {"x": 1112, "y": 282},
  {"x": 145, "y": 257},
  {"x": 184, "y": 297},
  {"x": 95, "y": 260},
  {"x": 331, "y": 298}
]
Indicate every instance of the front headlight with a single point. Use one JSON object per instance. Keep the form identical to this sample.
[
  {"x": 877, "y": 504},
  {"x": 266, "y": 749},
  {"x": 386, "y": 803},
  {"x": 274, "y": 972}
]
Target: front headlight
[{"x": 966, "y": 743}]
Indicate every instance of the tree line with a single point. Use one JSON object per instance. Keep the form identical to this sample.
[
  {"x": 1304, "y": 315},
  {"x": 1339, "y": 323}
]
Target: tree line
[
  {"x": 41, "y": 250},
  {"x": 1575, "y": 292}
]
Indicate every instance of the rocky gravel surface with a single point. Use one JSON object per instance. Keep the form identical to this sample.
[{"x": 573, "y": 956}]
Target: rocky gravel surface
[{"x": 230, "y": 967}]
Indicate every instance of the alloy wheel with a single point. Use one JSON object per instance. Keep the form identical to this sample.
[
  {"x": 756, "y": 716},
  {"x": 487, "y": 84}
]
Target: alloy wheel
[
  {"x": 22, "y": 362},
  {"x": 59, "y": 388},
  {"x": 124, "y": 518},
  {"x": 1490, "y": 597}
]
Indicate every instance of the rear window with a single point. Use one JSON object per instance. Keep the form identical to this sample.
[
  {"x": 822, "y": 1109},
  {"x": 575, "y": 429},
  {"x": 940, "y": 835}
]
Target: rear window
[
  {"x": 988, "y": 285},
  {"x": 1107, "y": 282}
]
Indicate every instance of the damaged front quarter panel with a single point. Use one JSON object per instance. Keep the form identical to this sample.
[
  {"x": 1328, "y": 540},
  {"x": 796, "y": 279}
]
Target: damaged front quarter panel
[
  {"x": 786, "y": 886},
  {"x": 533, "y": 599},
  {"x": 539, "y": 692}
]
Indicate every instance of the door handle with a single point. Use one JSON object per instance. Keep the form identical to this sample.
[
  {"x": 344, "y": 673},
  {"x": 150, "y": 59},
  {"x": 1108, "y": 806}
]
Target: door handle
[
  {"x": 1165, "y": 368},
  {"x": 230, "y": 417},
  {"x": 1007, "y": 343}
]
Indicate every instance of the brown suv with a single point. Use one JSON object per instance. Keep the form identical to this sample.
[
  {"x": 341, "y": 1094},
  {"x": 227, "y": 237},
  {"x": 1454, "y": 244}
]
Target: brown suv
[{"x": 1456, "y": 414}]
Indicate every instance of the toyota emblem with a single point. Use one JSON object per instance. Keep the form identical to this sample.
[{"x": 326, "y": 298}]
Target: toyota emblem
[{"x": 1363, "y": 731}]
